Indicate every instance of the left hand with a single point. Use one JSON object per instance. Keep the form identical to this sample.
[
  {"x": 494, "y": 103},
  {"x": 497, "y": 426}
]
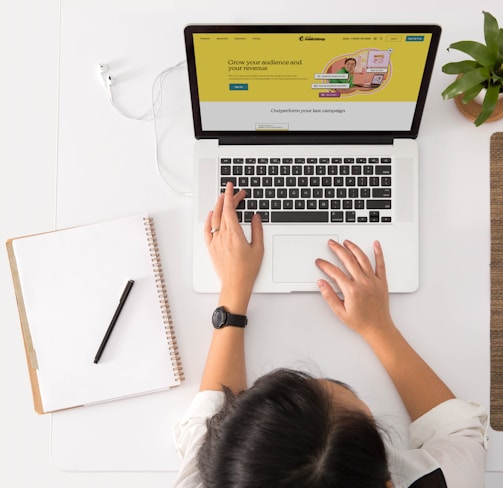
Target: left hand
[{"x": 236, "y": 261}]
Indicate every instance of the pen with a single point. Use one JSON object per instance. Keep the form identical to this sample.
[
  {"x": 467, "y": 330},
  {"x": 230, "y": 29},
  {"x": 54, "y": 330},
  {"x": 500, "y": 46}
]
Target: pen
[{"x": 122, "y": 301}]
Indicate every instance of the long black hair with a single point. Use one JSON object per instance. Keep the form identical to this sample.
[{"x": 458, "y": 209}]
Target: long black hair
[{"x": 287, "y": 431}]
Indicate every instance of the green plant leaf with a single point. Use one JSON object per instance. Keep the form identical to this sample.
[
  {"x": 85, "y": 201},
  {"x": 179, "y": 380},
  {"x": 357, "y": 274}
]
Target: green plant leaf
[
  {"x": 491, "y": 32},
  {"x": 466, "y": 82},
  {"x": 477, "y": 51},
  {"x": 500, "y": 43},
  {"x": 460, "y": 67},
  {"x": 489, "y": 104},
  {"x": 470, "y": 94}
]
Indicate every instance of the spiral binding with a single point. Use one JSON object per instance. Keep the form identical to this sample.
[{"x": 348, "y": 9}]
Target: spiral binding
[{"x": 163, "y": 298}]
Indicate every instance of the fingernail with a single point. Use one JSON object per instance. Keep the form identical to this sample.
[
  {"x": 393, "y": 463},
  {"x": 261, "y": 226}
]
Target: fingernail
[{"x": 321, "y": 284}]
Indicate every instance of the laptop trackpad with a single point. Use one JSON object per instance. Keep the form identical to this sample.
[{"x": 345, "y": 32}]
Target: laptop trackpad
[{"x": 294, "y": 256}]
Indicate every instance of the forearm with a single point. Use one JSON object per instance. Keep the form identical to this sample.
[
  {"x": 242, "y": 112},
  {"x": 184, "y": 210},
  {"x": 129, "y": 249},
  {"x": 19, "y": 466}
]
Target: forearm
[
  {"x": 418, "y": 385},
  {"x": 225, "y": 364}
]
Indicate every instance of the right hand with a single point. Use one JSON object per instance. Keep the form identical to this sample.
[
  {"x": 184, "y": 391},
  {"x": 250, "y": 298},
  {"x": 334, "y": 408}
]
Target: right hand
[{"x": 365, "y": 303}]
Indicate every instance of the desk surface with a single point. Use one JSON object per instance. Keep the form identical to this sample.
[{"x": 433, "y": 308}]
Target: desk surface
[{"x": 100, "y": 165}]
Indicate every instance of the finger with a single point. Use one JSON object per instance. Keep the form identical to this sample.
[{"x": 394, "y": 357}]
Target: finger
[
  {"x": 346, "y": 257},
  {"x": 207, "y": 228},
  {"x": 216, "y": 216},
  {"x": 333, "y": 301},
  {"x": 380, "y": 264},
  {"x": 240, "y": 195},
  {"x": 334, "y": 273},
  {"x": 229, "y": 216},
  {"x": 360, "y": 256},
  {"x": 257, "y": 232}
]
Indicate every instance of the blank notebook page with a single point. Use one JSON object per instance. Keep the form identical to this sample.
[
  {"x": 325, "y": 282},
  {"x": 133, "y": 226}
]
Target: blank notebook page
[{"x": 71, "y": 283}]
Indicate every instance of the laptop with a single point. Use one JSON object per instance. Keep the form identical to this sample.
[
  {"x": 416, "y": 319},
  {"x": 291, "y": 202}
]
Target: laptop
[{"x": 279, "y": 111}]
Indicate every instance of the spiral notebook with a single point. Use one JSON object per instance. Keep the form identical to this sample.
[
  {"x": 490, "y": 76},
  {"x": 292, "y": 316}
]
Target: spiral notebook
[{"x": 68, "y": 284}]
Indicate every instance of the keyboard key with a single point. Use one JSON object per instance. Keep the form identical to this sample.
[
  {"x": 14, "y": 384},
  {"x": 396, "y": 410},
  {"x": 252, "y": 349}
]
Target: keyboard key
[
  {"x": 381, "y": 192},
  {"x": 350, "y": 216},
  {"x": 299, "y": 216},
  {"x": 264, "y": 216},
  {"x": 378, "y": 204},
  {"x": 225, "y": 179},
  {"x": 385, "y": 169},
  {"x": 337, "y": 216},
  {"x": 270, "y": 193}
]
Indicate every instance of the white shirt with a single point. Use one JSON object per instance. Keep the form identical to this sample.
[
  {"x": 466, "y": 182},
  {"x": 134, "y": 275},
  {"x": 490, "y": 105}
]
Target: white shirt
[{"x": 451, "y": 436}]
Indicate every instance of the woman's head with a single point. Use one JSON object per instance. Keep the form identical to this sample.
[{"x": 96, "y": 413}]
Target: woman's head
[{"x": 290, "y": 429}]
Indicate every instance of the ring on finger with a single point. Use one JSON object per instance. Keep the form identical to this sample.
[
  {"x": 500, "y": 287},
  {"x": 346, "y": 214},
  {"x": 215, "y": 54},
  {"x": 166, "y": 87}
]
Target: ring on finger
[{"x": 214, "y": 229}]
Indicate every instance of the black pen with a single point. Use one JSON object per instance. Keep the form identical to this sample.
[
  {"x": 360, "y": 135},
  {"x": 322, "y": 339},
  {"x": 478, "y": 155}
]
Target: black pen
[{"x": 122, "y": 301}]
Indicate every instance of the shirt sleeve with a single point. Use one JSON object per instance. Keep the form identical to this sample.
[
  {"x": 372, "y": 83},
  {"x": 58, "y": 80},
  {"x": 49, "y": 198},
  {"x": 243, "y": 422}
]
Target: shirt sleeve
[
  {"x": 189, "y": 434},
  {"x": 454, "y": 434}
]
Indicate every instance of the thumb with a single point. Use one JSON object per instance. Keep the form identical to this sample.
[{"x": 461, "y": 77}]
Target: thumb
[{"x": 257, "y": 232}]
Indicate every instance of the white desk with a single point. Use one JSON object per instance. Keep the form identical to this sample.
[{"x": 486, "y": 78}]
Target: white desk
[{"x": 105, "y": 167}]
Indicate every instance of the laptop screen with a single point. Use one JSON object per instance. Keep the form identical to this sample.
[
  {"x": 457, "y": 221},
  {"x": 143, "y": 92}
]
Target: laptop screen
[{"x": 290, "y": 80}]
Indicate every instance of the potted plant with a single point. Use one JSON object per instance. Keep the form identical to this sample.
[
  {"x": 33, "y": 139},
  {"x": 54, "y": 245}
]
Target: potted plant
[{"x": 482, "y": 73}]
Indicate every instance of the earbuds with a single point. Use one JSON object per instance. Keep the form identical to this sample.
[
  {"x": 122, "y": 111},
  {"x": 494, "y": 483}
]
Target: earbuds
[{"x": 108, "y": 80}]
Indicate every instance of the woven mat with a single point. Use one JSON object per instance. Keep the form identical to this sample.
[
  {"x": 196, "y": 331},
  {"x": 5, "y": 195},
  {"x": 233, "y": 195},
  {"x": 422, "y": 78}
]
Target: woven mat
[{"x": 497, "y": 281}]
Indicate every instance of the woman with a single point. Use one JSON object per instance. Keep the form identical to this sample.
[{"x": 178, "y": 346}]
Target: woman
[{"x": 292, "y": 430}]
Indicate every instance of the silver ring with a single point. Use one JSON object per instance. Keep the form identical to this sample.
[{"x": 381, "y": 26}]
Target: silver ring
[{"x": 214, "y": 229}]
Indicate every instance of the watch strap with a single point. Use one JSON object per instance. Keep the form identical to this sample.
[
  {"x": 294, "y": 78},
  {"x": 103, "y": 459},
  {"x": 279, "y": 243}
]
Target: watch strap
[{"x": 236, "y": 320}]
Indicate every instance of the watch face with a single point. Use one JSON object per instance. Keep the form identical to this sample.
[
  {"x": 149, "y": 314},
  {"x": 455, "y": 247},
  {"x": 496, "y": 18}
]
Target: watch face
[{"x": 219, "y": 318}]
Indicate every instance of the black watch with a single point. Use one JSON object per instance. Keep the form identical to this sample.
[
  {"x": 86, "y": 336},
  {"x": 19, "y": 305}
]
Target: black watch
[{"x": 222, "y": 318}]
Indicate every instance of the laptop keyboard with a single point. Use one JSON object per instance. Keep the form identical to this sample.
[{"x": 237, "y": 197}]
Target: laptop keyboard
[{"x": 348, "y": 190}]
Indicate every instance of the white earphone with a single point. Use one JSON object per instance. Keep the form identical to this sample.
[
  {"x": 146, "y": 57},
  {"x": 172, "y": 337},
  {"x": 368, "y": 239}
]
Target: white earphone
[{"x": 108, "y": 80}]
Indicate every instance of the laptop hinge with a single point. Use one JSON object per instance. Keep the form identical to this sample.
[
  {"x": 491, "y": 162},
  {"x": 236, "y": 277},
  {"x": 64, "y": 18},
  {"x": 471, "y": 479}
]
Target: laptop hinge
[{"x": 348, "y": 139}]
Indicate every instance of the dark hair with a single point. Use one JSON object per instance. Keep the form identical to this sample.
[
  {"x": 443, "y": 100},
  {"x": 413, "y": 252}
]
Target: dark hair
[
  {"x": 350, "y": 59},
  {"x": 287, "y": 431}
]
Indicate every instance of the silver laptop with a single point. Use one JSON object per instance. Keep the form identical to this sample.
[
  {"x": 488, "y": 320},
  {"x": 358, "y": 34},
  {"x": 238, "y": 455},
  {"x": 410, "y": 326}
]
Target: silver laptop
[{"x": 293, "y": 114}]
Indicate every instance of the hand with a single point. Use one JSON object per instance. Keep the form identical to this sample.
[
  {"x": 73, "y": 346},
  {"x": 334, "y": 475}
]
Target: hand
[
  {"x": 236, "y": 261},
  {"x": 364, "y": 307}
]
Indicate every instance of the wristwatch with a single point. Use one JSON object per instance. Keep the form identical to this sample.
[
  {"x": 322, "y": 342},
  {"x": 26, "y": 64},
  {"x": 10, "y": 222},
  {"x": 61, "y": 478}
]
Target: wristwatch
[{"x": 222, "y": 318}]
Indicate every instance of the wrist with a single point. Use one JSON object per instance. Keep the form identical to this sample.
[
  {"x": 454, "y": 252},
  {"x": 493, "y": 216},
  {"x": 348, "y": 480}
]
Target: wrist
[
  {"x": 378, "y": 334},
  {"x": 235, "y": 302}
]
